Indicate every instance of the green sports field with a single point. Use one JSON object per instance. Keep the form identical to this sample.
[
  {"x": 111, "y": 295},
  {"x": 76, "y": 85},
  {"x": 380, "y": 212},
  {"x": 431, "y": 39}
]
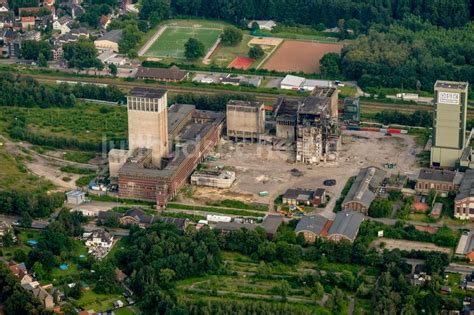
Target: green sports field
[{"x": 170, "y": 44}]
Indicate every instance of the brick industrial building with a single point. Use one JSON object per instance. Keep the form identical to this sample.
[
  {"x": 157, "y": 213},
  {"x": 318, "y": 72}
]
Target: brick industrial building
[{"x": 146, "y": 174}]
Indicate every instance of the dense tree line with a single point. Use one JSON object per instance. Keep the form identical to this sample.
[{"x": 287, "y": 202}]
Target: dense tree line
[
  {"x": 161, "y": 254},
  {"x": 313, "y": 12},
  {"x": 411, "y": 54},
  {"x": 35, "y": 50},
  {"x": 14, "y": 298},
  {"x": 110, "y": 93},
  {"x": 27, "y": 92},
  {"x": 419, "y": 118},
  {"x": 216, "y": 102},
  {"x": 36, "y": 204}
]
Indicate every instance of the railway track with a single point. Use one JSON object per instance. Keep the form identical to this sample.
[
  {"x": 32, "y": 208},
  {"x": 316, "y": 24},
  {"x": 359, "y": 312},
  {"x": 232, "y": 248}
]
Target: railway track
[{"x": 366, "y": 106}]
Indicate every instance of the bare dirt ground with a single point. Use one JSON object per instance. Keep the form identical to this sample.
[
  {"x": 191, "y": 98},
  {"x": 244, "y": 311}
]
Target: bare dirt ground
[
  {"x": 45, "y": 166},
  {"x": 258, "y": 168},
  {"x": 391, "y": 244},
  {"x": 266, "y": 41},
  {"x": 295, "y": 56}
]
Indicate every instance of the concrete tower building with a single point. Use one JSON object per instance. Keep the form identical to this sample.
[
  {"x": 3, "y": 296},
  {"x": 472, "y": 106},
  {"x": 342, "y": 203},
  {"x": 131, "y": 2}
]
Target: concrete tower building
[
  {"x": 148, "y": 122},
  {"x": 245, "y": 120},
  {"x": 449, "y": 129}
]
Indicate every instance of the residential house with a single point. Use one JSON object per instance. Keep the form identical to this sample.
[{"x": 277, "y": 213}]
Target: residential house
[
  {"x": 30, "y": 11},
  {"x": 313, "y": 226},
  {"x": 7, "y": 22},
  {"x": 464, "y": 199},
  {"x": 78, "y": 32},
  {"x": 345, "y": 226},
  {"x": 104, "y": 21},
  {"x": 63, "y": 24},
  {"x": 364, "y": 189},
  {"x": 109, "y": 40},
  {"x": 14, "y": 48},
  {"x": 28, "y": 23},
  {"x": 99, "y": 238},
  {"x": 5, "y": 228},
  {"x": 420, "y": 275},
  {"x": 305, "y": 197},
  {"x": 57, "y": 51},
  {"x": 44, "y": 297},
  {"x": 4, "y": 7},
  {"x": 32, "y": 35},
  {"x": 75, "y": 197},
  {"x": 172, "y": 74},
  {"x": 20, "y": 271},
  {"x": 267, "y": 25},
  {"x": 72, "y": 9},
  {"x": 441, "y": 181}
]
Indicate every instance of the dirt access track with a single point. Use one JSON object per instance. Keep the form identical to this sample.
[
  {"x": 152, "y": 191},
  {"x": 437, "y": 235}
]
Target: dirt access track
[
  {"x": 391, "y": 244},
  {"x": 296, "y": 56}
]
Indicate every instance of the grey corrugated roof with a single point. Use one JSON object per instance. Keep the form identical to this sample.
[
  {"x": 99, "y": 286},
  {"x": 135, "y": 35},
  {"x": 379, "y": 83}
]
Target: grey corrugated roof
[
  {"x": 271, "y": 223},
  {"x": 365, "y": 186},
  {"x": 312, "y": 223},
  {"x": 147, "y": 92},
  {"x": 347, "y": 223},
  {"x": 467, "y": 185},
  {"x": 113, "y": 36},
  {"x": 436, "y": 175}
]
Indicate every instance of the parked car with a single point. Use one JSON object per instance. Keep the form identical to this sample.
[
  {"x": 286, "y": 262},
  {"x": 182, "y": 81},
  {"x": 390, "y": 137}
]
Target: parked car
[{"x": 329, "y": 182}]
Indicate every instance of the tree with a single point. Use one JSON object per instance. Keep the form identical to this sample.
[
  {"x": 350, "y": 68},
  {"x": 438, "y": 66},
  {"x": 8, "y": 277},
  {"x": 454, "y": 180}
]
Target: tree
[
  {"x": 320, "y": 27},
  {"x": 19, "y": 255},
  {"x": 82, "y": 54},
  {"x": 25, "y": 219},
  {"x": 330, "y": 65},
  {"x": 380, "y": 208},
  {"x": 105, "y": 279},
  {"x": 194, "y": 49},
  {"x": 267, "y": 251},
  {"x": 154, "y": 11},
  {"x": 318, "y": 291},
  {"x": 42, "y": 62},
  {"x": 39, "y": 270},
  {"x": 113, "y": 70},
  {"x": 7, "y": 239},
  {"x": 336, "y": 301},
  {"x": 256, "y": 52},
  {"x": 32, "y": 50},
  {"x": 231, "y": 36},
  {"x": 255, "y": 26},
  {"x": 284, "y": 289},
  {"x": 131, "y": 36}
]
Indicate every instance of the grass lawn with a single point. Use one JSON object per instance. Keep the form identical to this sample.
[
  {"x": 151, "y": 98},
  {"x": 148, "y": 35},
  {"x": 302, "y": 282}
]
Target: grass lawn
[
  {"x": 347, "y": 91},
  {"x": 79, "y": 157},
  {"x": 98, "y": 302},
  {"x": 23, "y": 237},
  {"x": 170, "y": 43},
  {"x": 225, "y": 54},
  {"x": 15, "y": 176}
]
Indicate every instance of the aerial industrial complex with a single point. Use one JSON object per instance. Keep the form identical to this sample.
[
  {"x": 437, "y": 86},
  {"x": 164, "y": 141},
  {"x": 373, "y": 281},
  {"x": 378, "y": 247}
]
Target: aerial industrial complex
[{"x": 154, "y": 168}]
